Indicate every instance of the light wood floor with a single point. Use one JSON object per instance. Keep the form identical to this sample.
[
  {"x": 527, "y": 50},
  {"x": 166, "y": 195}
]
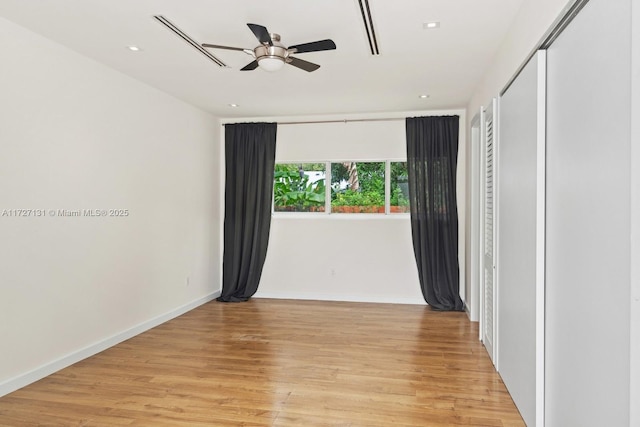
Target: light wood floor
[{"x": 280, "y": 363}]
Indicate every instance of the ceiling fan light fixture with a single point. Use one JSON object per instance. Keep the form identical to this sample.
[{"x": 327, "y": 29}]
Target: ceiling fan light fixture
[
  {"x": 271, "y": 63},
  {"x": 271, "y": 58}
]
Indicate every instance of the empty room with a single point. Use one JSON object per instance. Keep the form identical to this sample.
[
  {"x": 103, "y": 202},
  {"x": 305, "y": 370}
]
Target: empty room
[{"x": 320, "y": 213}]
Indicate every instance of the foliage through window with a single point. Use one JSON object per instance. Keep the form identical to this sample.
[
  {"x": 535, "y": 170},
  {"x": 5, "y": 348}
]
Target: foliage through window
[
  {"x": 355, "y": 187},
  {"x": 299, "y": 187},
  {"x": 399, "y": 202}
]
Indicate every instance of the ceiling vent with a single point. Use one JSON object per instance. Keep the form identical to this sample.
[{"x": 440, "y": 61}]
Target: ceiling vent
[
  {"x": 368, "y": 25},
  {"x": 177, "y": 31}
]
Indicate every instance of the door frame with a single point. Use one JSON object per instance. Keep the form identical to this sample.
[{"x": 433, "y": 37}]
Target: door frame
[
  {"x": 475, "y": 215},
  {"x": 489, "y": 112}
]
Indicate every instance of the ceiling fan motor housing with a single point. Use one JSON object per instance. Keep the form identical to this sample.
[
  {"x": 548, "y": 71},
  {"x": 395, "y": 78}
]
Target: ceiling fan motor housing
[{"x": 277, "y": 51}]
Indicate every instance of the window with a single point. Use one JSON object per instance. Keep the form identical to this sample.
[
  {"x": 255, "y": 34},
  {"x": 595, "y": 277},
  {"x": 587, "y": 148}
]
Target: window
[
  {"x": 399, "y": 179},
  {"x": 299, "y": 187},
  {"x": 355, "y": 187}
]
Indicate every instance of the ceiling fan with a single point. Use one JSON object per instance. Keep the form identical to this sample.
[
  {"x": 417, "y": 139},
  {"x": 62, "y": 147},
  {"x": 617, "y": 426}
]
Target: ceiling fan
[{"x": 271, "y": 55}]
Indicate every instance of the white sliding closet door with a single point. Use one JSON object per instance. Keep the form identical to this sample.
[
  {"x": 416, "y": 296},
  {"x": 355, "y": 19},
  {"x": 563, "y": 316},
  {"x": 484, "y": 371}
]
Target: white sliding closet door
[
  {"x": 588, "y": 219},
  {"x": 521, "y": 234}
]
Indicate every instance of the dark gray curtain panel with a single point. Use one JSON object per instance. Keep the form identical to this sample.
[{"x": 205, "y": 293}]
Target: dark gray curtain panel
[
  {"x": 250, "y": 152},
  {"x": 432, "y": 156}
]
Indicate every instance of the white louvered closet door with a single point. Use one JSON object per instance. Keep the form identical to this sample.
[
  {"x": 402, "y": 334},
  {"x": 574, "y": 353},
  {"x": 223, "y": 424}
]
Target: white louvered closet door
[{"x": 489, "y": 294}]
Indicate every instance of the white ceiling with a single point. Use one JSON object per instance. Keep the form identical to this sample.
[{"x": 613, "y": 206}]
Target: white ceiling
[{"x": 447, "y": 63}]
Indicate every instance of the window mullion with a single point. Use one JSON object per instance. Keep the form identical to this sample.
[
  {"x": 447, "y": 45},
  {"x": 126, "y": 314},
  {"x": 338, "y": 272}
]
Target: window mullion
[
  {"x": 387, "y": 187},
  {"x": 327, "y": 189}
]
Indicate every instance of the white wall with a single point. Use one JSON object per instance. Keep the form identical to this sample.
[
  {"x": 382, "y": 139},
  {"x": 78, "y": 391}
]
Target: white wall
[
  {"x": 528, "y": 29},
  {"x": 534, "y": 19},
  {"x": 355, "y": 257},
  {"x": 76, "y": 135}
]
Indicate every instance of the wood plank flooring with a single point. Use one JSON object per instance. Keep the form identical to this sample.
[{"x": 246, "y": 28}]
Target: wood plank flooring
[{"x": 280, "y": 363}]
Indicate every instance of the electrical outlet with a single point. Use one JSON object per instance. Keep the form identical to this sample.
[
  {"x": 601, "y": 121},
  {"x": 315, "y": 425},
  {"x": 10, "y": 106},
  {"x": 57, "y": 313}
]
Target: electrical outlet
[{"x": 187, "y": 281}]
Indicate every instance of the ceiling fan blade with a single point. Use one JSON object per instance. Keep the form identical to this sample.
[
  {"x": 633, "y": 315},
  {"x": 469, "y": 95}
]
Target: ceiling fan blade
[
  {"x": 314, "y": 46},
  {"x": 250, "y": 66},
  {"x": 261, "y": 33},
  {"x": 215, "y": 46},
  {"x": 302, "y": 64}
]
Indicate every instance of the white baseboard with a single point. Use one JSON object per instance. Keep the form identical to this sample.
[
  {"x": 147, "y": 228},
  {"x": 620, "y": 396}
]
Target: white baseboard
[
  {"x": 346, "y": 298},
  {"x": 47, "y": 369}
]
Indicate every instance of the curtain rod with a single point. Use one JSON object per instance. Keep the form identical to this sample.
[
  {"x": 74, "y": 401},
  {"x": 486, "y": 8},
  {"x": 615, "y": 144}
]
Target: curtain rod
[
  {"x": 331, "y": 121},
  {"x": 390, "y": 119},
  {"x": 342, "y": 121}
]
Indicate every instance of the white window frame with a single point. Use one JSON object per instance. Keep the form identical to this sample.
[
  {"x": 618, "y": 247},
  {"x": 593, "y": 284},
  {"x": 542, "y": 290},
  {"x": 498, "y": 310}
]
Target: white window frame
[{"x": 327, "y": 208}]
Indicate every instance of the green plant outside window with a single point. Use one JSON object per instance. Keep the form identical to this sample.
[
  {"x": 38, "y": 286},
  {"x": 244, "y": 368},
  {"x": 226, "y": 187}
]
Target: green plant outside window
[
  {"x": 299, "y": 187},
  {"x": 356, "y": 187}
]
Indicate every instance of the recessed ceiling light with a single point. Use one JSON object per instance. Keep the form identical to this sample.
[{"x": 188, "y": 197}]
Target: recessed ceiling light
[
  {"x": 430, "y": 25},
  {"x": 423, "y": 96},
  {"x": 133, "y": 48},
  {"x": 233, "y": 105}
]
